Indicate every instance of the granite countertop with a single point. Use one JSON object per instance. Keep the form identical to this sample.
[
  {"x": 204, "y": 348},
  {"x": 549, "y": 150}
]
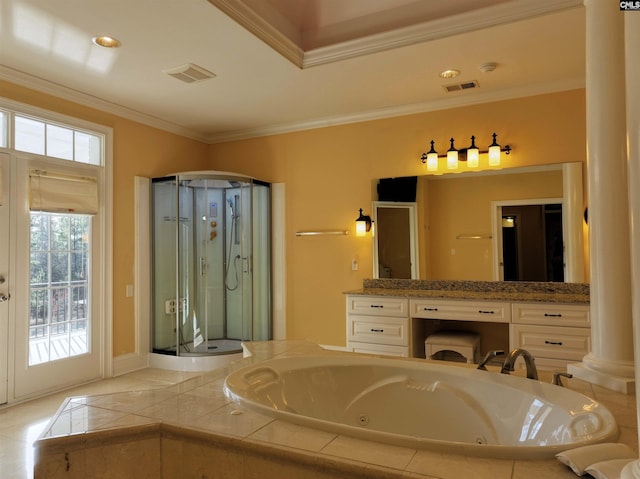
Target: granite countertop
[{"x": 522, "y": 291}]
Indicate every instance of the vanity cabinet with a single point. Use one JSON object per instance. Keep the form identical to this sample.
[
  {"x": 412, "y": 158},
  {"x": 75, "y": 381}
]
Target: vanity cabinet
[
  {"x": 556, "y": 334},
  {"x": 464, "y": 310},
  {"x": 378, "y": 325}
]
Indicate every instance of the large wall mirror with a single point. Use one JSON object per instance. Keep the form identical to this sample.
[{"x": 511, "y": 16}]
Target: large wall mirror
[{"x": 511, "y": 224}]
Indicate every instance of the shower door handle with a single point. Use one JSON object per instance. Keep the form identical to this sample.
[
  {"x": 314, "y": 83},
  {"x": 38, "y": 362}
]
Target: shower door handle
[
  {"x": 203, "y": 267},
  {"x": 245, "y": 265}
]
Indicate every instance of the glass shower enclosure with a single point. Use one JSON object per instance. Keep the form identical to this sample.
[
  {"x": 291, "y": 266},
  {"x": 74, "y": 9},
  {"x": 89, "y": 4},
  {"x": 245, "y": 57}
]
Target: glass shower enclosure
[{"x": 211, "y": 262}]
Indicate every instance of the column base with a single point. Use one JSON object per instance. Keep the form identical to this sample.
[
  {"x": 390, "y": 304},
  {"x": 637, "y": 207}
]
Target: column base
[
  {"x": 631, "y": 471},
  {"x": 616, "y": 383}
]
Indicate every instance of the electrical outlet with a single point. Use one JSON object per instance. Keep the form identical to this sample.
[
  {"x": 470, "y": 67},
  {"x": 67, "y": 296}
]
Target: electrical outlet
[{"x": 170, "y": 306}]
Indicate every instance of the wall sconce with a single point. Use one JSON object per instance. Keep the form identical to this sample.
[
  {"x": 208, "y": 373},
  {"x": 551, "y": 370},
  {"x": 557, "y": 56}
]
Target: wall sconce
[
  {"x": 363, "y": 224},
  {"x": 471, "y": 155}
]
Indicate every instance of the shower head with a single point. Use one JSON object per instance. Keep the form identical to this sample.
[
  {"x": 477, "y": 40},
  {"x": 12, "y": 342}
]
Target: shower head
[{"x": 230, "y": 201}]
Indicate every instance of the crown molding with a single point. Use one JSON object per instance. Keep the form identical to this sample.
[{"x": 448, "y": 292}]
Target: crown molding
[
  {"x": 261, "y": 28},
  {"x": 459, "y": 100},
  {"x": 507, "y": 12},
  {"x": 403, "y": 110},
  {"x": 427, "y": 31},
  {"x": 75, "y": 96}
]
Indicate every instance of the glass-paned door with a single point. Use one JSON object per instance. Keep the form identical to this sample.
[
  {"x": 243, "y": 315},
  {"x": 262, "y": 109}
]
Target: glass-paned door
[
  {"x": 4, "y": 274},
  {"x": 58, "y": 283}
]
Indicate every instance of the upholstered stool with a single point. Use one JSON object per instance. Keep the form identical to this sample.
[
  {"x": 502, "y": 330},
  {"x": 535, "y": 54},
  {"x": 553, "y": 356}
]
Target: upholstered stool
[{"x": 464, "y": 343}]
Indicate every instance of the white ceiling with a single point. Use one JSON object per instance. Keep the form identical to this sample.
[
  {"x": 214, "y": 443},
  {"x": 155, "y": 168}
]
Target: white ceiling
[{"x": 285, "y": 65}]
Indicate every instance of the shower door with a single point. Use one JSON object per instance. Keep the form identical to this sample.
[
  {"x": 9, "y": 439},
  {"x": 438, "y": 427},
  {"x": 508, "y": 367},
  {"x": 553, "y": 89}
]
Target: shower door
[{"x": 211, "y": 237}]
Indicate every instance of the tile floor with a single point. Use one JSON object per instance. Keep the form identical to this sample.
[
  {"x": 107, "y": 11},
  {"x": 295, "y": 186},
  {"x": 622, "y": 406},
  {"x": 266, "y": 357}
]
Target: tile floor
[{"x": 20, "y": 425}]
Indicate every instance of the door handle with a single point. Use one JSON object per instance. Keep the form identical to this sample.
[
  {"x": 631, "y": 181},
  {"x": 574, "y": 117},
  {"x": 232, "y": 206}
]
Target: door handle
[{"x": 4, "y": 297}]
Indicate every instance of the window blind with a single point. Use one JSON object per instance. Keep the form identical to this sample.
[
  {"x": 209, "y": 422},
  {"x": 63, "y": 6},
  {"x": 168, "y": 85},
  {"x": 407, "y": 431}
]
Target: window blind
[{"x": 62, "y": 193}]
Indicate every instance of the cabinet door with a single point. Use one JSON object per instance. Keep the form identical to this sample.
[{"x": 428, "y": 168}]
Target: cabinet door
[
  {"x": 553, "y": 342},
  {"x": 485, "y": 311},
  {"x": 547, "y": 314},
  {"x": 379, "y": 330},
  {"x": 378, "y": 306},
  {"x": 384, "y": 349}
]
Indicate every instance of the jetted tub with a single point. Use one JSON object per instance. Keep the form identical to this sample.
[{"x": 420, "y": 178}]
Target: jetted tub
[{"x": 423, "y": 405}]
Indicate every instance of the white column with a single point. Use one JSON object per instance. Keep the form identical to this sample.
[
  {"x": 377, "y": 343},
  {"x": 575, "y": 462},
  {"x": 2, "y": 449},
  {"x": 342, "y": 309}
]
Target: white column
[
  {"x": 632, "y": 50},
  {"x": 610, "y": 362}
]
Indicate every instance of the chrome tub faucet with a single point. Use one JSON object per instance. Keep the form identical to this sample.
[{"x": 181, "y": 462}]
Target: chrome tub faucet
[{"x": 529, "y": 361}]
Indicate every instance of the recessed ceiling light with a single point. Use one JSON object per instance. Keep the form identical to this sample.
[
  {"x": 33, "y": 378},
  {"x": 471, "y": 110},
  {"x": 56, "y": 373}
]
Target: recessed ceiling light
[
  {"x": 449, "y": 73},
  {"x": 106, "y": 41}
]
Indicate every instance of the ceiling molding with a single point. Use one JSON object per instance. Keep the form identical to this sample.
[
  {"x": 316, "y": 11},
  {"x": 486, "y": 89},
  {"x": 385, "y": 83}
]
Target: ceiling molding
[
  {"x": 508, "y": 12},
  {"x": 403, "y": 110},
  {"x": 258, "y": 26},
  {"x": 75, "y": 96},
  {"x": 423, "y": 32}
]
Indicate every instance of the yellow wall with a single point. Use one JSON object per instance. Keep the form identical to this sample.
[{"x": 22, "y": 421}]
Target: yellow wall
[
  {"x": 138, "y": 150},
  {"x": 329, "y": 173},
  {"x": 461, "y": 205}
]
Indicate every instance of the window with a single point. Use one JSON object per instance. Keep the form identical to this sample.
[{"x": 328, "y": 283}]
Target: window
[
  {"x": 4, "y": 129},
  {"x": 34, "y": 135},
  {"x": 59, "y": 287}
]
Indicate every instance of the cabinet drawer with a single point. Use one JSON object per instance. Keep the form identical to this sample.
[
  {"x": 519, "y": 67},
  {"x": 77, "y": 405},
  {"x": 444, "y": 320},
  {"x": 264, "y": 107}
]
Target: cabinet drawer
[
  {"x": 575, "y": 315},
  {"x": 378, "y": 306},
  {"x": 552, "y": 342},
  {"x": 372, "y": 329},
  {"x": 485, "y": 311},
  {"x": 384, "y": 349}
]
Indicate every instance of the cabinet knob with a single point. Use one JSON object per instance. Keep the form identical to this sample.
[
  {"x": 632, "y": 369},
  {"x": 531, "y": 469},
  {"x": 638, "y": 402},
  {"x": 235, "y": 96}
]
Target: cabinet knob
[
  {"x": 4, "y": 297},
  {"x": 555, "y": 343},
  {"x": 552, "y": 315}
]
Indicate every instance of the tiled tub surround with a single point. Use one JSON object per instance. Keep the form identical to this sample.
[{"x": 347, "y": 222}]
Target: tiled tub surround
[
  {"x": 525, "y": 291},
  {"x": 192, "y": 430}
]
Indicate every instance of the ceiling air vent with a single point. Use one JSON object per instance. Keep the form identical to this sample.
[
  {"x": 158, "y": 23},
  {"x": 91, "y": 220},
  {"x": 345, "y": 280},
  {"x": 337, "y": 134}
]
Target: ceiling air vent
[
  {"x": 189, "y": 73},
  {"x": 461, "y": 86}
]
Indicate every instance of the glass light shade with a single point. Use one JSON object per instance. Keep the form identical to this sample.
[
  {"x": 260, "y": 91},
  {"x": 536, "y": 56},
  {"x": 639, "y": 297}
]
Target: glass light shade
[
  {"x": 494, "y": 155},
  {"x": 494, "y": 152},
  {"x": 473, "y": 157},
  {"x": 432, "y": 162},
  {"x": 363, "y": 224},
  {"x": 452, "y": 159}
]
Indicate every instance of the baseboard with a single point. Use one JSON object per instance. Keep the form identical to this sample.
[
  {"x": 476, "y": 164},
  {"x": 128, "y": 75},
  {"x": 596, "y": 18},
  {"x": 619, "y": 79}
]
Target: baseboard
[{"x": 128, "y": 363}]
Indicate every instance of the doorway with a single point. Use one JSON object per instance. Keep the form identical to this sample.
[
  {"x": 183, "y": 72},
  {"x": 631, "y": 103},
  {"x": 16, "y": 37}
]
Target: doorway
[
  {"x": 394, "y": 250},
  {"x": 529, "y": 241}
]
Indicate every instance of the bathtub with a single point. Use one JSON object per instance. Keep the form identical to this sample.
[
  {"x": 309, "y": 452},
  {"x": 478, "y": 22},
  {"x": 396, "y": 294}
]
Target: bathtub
[{"x": 423, "y": 405}]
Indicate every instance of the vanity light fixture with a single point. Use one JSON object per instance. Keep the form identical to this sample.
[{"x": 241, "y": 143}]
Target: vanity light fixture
[
  {"x": 471, "y": 155},
  {"x": 494, "y": 152},
  {"x": 452, "y": 157},
  {"x": 363, "y": 224},
  {"x": 431, "y": 158}
]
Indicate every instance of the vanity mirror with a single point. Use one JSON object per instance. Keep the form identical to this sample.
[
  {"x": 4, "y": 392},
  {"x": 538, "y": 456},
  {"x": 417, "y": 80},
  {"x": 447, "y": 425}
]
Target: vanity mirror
[{"x": 454, "y": 229}]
